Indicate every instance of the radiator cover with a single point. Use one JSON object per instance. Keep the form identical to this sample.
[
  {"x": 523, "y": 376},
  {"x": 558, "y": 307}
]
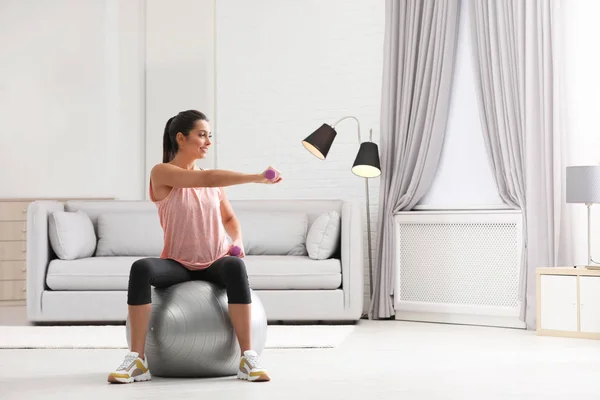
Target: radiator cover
[{"x": 459, "y": 267}]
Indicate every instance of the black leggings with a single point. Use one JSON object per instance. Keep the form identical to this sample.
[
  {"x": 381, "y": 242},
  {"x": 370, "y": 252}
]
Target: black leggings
[{"x": 229, "y": 272}]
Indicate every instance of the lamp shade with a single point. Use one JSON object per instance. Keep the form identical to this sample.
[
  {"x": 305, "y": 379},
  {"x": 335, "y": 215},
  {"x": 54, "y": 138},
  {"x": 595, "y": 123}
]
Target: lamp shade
[
  {"x": 366, "y": 164},
  {"x": 319, "y": 142},
  {"x": 583, "y": 184}
]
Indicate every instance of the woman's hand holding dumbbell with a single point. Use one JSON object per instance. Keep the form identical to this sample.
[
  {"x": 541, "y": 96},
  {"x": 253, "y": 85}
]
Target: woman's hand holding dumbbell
[
  {"x": 236, "y": 251},
  {"x": 271, "y": 176}
]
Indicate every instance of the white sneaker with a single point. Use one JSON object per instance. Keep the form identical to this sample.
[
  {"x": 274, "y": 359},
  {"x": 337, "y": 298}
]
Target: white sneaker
[
  {"x": 251, "y": 369},
  {"x": 133, "y": 368}
]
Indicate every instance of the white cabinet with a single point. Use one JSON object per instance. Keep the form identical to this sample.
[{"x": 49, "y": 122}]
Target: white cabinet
[
  {"x": 589, "y": 303},
  {"x": 568, "y": 302},
  {"x": 559, "y": 303}
]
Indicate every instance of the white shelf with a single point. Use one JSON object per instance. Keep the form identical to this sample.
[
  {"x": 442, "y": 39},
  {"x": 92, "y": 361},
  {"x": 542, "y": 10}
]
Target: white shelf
[{"x": 568, "y": 302}]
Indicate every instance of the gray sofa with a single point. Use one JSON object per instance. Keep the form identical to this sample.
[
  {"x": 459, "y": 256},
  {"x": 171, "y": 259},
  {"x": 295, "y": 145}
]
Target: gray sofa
[{"x": 292, "y": 285}]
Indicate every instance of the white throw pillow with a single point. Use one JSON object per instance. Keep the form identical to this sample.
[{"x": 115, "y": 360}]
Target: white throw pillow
[
  {"x": 71, "y": 235},
  {"x": 323, "y": 236},
  {"x": 130, "y": 234},
  {"x": 273, "y": 233}
]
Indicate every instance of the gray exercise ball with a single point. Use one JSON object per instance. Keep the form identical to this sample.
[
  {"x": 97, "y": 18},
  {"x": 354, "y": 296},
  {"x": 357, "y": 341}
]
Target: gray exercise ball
[{"x": 190, "y": 332}]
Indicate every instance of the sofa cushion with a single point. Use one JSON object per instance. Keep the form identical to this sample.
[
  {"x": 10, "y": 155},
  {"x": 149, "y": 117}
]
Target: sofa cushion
[
  {"x": 71, "y": 234},
  {"x": 93, "y": 273},
  {"x": 129, "y": 234},
  {"x": 264, "y": 273},
  {"x": 274, "y": 233},
  {"x": 324, "y": 236},
  {"x": 293, "y": 272}
]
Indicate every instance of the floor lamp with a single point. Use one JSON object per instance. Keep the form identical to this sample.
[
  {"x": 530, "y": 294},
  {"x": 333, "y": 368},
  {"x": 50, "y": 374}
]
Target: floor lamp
[
  {"x": 583, "y": 186},
  {"x": 366, "y": 165}
]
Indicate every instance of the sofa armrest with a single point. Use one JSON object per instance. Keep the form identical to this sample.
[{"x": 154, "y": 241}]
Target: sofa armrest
[
  {"x": 39, "y": 253},
  {"x": 352, "y": 259}
]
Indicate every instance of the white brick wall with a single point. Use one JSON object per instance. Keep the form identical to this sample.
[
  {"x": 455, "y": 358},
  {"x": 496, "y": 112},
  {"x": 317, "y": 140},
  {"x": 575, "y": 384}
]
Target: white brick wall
[
  {"x": 72, "y": 65},
  {"x": 284, "y": 68}
]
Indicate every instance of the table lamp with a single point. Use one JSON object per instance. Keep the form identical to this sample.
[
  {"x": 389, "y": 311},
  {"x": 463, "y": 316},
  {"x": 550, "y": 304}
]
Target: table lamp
[
  {"x": 583, "y": 186},
  {"x": 366, "y": 165}
]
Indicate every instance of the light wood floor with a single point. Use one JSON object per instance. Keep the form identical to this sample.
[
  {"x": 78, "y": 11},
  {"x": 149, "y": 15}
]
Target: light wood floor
[{"x": 380, "y": 360}]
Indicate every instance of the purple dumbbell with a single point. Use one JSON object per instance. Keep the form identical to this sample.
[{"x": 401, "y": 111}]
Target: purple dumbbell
[
  {"x": 235, "y": 251},
  {"x": 270, "y": 174}
]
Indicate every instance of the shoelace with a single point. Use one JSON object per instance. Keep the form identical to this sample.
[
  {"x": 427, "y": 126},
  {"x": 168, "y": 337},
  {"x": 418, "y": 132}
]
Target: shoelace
[
  {"x": 254, "y": 361},
  {"x": 129, "y": 358}
]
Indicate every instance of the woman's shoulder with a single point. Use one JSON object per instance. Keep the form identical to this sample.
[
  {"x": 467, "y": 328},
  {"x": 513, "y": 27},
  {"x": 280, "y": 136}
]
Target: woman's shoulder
[
  {"x": 158, "y": 190},
  {"x": 161, "y": 167}
]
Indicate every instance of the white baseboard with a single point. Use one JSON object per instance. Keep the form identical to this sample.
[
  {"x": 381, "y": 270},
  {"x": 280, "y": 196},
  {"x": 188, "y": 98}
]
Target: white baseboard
[{"x": 461, "y": 319}]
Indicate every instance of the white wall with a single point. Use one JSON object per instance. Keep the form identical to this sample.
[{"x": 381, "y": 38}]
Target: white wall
[
  {"x": 128, "y": 181},
  {"x": 283, "y": 69},
  {"x": 582, "y": 104},
  {"x": 65, "y": 113},
  {"x": 180, "y": 69}
]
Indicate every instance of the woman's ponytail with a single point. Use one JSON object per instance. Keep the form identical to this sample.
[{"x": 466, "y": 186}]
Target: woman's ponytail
[{"x": 169, "y": 149}]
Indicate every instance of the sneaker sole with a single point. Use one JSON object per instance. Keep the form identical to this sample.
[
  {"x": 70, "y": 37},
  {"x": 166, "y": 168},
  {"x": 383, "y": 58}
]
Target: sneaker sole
[
  {"x": 258, "y": 378},
  {"x": 139, "y": 378}
]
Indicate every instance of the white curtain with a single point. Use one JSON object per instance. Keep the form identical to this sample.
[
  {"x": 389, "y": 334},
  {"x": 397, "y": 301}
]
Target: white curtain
[
  {"x": 519, "y": 81},
  {"x": 420, "y": 49}
]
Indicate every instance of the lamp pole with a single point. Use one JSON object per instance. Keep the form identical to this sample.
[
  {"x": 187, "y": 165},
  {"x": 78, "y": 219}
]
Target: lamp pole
[
  {"x": 368, "y": 204},
  {"x": 589, "y": 235}
]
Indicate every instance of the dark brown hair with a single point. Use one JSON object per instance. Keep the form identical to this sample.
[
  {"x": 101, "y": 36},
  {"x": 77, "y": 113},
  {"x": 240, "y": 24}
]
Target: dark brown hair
[{"x": 183, "y": 122}]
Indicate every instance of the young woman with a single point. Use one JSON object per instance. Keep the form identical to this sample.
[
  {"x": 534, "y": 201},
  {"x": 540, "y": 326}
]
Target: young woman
[{"x": 196, "y": 217}]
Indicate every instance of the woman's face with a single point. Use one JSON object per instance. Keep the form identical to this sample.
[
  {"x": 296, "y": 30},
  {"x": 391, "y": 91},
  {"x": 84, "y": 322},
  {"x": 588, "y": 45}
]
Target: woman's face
[{"x": 196, "y": 144}]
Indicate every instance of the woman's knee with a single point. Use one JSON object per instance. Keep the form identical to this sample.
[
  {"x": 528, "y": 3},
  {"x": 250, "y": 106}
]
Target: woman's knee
[
  {"x": 235, "y": 268},
  {"x": 138, "y": 291},
  {"x": 236, "y": 281},
  {"x": 140, "y": 270}
]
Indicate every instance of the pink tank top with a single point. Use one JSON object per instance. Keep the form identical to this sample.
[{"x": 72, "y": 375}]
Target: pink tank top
[{"x": 193, "y": 229}]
